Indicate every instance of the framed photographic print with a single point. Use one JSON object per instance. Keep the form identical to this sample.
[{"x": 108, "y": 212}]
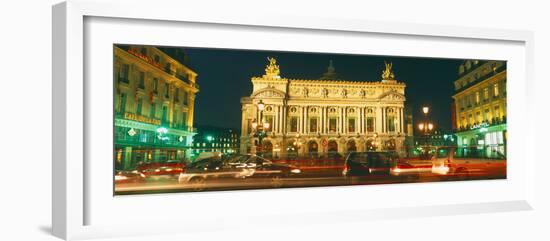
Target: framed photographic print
[{"x": 290, "y": 117}]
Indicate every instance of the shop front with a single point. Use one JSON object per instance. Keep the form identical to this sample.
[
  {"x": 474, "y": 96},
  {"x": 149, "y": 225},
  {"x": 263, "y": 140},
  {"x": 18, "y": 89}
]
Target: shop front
[{"x": 483, "y": 141}]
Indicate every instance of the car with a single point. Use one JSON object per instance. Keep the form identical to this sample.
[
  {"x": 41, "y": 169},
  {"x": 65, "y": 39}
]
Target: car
[
  {"x": 199, "y": 172},
  {"x": 260, "y": 167},
  {"x": 134, "y": 176},
  {"x": 236, "y": 167},
  {"x": 167, "y": 170},
  {"x": 369, "y": 163}
]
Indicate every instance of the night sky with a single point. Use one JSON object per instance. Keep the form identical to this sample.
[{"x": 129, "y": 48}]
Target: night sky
[{"x": 224, "y": 77}]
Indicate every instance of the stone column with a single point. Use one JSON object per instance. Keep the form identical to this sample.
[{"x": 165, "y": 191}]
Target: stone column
[
  {"x": 306, "y": 119},
  {"x": 401, "y": 122},
  {"x": 341, "y": 120},
  {"x": 128, "y": 157},
  {"x": 244, "y": 122},
  {"x": 361, "y": 119},
  {"x": 345, "y": 118},
  {"x": 284, "y": 119},
  {"x": 378, "y": 123},
  {"x": 275, "y": 128}
]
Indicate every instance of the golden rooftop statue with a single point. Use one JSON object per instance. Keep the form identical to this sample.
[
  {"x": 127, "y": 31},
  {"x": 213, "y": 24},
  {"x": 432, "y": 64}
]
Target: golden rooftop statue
[
  {"x": 387, "y": 74},
  {"x": 272, "y": 70}
]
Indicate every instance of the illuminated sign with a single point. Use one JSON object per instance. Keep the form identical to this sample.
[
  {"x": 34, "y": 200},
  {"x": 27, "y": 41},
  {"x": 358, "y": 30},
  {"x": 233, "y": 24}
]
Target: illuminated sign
[
  {"x": 140, "y": 118},
  {"x": 482, "y": 125}
]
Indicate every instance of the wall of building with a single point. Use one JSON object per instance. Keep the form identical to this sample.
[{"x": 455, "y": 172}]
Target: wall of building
[
  {"x": 312, "y": 117},
  {"x": 153, "y": 105}
]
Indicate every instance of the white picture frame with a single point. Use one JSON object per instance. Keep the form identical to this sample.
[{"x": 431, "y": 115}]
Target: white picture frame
[{"x": 73, "y": 195}]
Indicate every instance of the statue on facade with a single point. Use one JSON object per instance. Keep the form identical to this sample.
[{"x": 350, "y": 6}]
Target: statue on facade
[
  {"x": 272, "y": 69},
  {"x": 325, "y": 92},
  {"x": 344, "y": 93},
  {"x": 387, "y": 74}
]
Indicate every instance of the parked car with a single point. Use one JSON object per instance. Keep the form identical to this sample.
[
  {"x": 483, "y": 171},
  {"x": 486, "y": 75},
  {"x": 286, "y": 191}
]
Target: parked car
[
  {"x": 369, "y": 163},
  {"x": 129, "y": 177}
]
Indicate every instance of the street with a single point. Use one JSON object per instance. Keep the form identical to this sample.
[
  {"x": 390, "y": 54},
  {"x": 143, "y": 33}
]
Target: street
[{"x": 309, "y": 178}]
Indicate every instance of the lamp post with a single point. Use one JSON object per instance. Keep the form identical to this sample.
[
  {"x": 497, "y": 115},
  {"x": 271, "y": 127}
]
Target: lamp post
[
  {"x": 426, "y": 126},
  {"x": 162, "y": 131},
  {"x": 261, "y": 127}
]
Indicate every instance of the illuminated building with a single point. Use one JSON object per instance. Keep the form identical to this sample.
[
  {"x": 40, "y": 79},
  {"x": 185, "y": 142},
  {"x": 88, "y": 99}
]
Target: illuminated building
[
  {"x": 322, "y": 116},
  {"x": 437, "y": 138},
  {"x": 153, "y": 105},
  {"x": 480, "y": 108},
  {"x": 214, "y": 139}
]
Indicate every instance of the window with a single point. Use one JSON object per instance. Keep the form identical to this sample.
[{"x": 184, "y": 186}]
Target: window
[
  {"x": 478, "y": 117},
  {"x": 495, "y": 90},
  {"x": 153, "y": 110},
  {"x": 139, "y": 106},
  {"x": 477, "y": 97},
  {"x": 168, "y": 68},
  {"x": 497, "y": 111},
  {"x": 293, "y": 124},
  {"x": 177, "y": 94},
  {"x": 141, "y": 83},
  {"x": 166, "y": 90},
  {"x": 184, "y": 118},
  {"x": 487, "y": 115},
  {"x": 185, "y": 98},
  {"x": 351, "y": 124},
  {"x": 486, "y": 93},
  {"x": 164, "y": 114},
  {"x": 155, "y": 85},
  {"x": 370, "y": 124},
  {"x": 144, "y": 51},
  {"x": 175, "y": 119},
  {"x": 332, "y": 122},
  {"x": 157, "y": 59},
  {"x": 391, "y": 123},
  {"x": 269, "y": 119},
  {"x": 123, "y": 74},
  {"x": 313, "y": 125},
  {"x": 122, "y": 103}
]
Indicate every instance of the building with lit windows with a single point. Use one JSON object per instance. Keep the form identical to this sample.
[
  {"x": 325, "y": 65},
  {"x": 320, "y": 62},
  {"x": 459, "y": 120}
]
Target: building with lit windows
[
  {"x": 153, "y": 105},
  {"x": 480, "y": 108},
  {"x": 327, "y": 115},
  {"x": 215, "y": 139}
]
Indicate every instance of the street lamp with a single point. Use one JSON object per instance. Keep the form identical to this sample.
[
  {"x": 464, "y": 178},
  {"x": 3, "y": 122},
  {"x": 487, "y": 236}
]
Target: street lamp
[
  {"x": 426, "y": 126},
  {"x": 261, "y": 106},
  {"x": 425, "y": 109},
  {"x": 260, "y": 128},
  {"x": 162, "y": 131}
]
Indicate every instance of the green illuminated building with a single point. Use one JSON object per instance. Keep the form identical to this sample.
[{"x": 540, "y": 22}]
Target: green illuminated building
[
  {"x": 479, "y": 113},
  {"x": 153, "y": 105}
]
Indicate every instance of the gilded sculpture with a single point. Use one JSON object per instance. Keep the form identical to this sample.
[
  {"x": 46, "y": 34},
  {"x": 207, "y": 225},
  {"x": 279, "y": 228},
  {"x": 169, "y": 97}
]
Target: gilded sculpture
[
  {"x": 272, "y": 69},
  {"x": 387, "y": 74}
]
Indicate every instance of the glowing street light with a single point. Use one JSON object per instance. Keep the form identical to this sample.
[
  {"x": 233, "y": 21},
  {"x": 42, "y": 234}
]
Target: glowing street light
[
  {"x": 261, "y": 105},
  {"x": 425, "y": 110},
  {"x": 426, "y": 126},
  {"x": 260, "y": 127}
]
